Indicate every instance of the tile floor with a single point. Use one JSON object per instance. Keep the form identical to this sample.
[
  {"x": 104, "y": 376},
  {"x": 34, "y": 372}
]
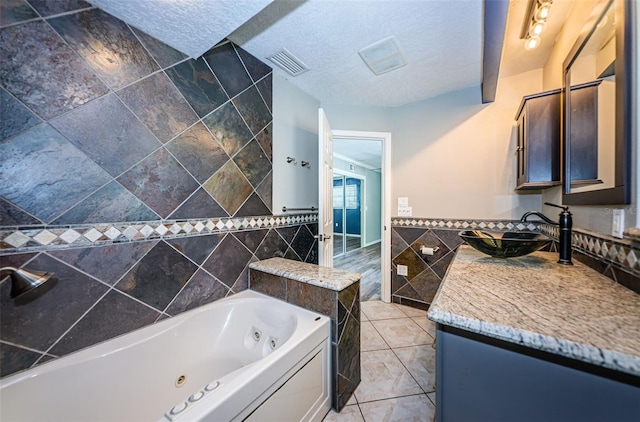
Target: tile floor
[{"x": 398, "y": 365}]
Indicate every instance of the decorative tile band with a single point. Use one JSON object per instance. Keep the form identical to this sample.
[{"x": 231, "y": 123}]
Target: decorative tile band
[
  {"x": 621, "y": 253},
  {"x": 444, "y": 223},
  {"x": 24, "y": 239}
]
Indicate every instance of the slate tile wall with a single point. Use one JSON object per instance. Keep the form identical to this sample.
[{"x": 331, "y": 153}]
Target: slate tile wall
[{"x": 105, "y": 126}]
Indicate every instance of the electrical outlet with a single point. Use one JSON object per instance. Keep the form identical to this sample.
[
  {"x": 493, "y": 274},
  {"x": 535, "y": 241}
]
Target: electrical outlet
[
  {"x": 617, "y": 223},
  {"x": 403, "y": 270},
  {"x": 404, "y": 211}
]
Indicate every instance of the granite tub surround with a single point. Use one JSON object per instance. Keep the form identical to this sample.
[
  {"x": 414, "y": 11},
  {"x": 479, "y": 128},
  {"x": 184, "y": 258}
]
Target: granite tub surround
[
  {"x": 531, "y": 301},
  {"x": 106, "y": 290},
  {"x": 329, "y": 291}
]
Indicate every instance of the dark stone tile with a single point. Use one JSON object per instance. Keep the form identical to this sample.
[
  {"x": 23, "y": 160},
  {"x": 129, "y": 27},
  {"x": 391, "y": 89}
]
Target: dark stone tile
[
  {"x": 303, "y": 242},
  {"x": 196, "y": 248},
  {"x": 341, "y": 321},
  {"x": 407, "y": 291},
  {"x": 110, "y": 203},
  {"x": 409, "y": 234},
  {"x": 242, "y": 282},
  {"x": 292, "y": 255},
  {"x": 314, "y": 298},
  {"x": 414, "y": 263},
  {"x": 160, "y": 182},
  {"x": 265, "y": 191},
  {"x": 107, "y": 263},
  {"x": 229, "y": 187},
  {"x": 254, "y": 207},
  {"x": 272, "y": 246},
  {"x": 348, "y": 295},
  {"x": 628, "y": 280},
  {"x": 230, "y": 71},
  {"x": 255, "y": 67},
  {"x": 441, "y": 267},
  {"x": 198, "y": 85},
  {"x": 200, "y": 290},
  {"x": 253, "y": 109},
  {"x": 430, "y": 240},
  {"x": 16, "y": 260},
  {"x": 53, "y": 7},
  {"x": 107, "y": 44},
  {"x": 14, "y": 359},
  {"x": 397, "y": 281},
  {"x": 413, "y": 303},
  {"x": 228, "y": 128},
  {"x": 312, "y": 258},
  {"x": 199, "y": 205},
  {"x": 14, "y": 11},
  {"x": 44, "y": 174},
  {"x": 37, "y": 319},
  {"x": 288, "y": 233},
  {"x": 253, "y": 163},
  {"x": 10, "y": 215},
  {"x": 198, "y": 152},
  {"x": 15, "y": 117},
  {"x": 228, "y": 260},
  {"x": 108, "y": 133},
  {"x": 268, "y": 284},
  {"x": 165, "y": 55},
  {"x": 426, "y": 285},
  {"x": 355, "y": 309},
  {"x": 114, "y": 315},
  {"x": 158, "y": 277},
  {"x": 43, "y": 72},
  {"x": 264, "y": 138},
  {"x": 348, "y": 361},
  {"x": 157, "y": 102},
  {"x": 313, "y": 228},
  {"x": 449, "y": 237},
  {"x": 265, "y": 86},
  {"x": 397, "y": 244},
  {"x": 251, "y": 238}
]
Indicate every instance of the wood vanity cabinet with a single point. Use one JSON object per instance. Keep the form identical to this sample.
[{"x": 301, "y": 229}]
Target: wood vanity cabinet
[{"x": 538, "y": 151}]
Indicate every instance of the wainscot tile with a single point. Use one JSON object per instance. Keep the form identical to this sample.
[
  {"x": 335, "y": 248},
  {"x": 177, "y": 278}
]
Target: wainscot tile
[
  {"x": 264, "y": 138},
  {"x": 230, "y": 71},
  {"x": 54, "y": 7},
  {"x": 265, "y": 191},
  {"x": 10, "y": 215},
  {"x": 114, "y": 150},
  {"x": 291, "y": 254},
  {"x": 199, "y": 205},
  {"x": 312, "y": 297},
  {"x": 14, "y": 359},
  {"x": 288, "y": 233},
  {"x": 43, "y": 72},
  {"x": 272, "y": 246},
  {"x": 253, "y": 207},
  {"x": 251, "y": 238},
  {"x": 449, "y": 237},
  {"x": 409, "y": 234},
  {"x": 44, "y": 174},
  {"x": 14, "y": 11},
  {"x": 160, "y": 182},
  {"x": 157, "y": 102},
  {"x": 430, "y": 240},
  {"x": 268, "y": 284},
  {"x": 397, "y": 244},
  {"x": 265, "y": 86},
  {"x": 107, "y": 45},
  {"x": 228, "y": 128},
  {"x": 303, "y": 242},
  {"x": 253, "y": 163},
  {"x": 253, "y": 109},
  {"x": 165, "y": 55},
  {"x": 15, "y": 117},
  {"x": 200, "y": 290},
  {"x": 228, "y": 260},
  {"x": 426, "y": 284},
  {"x": 113, "y": 315},
  {"x": 158, "y": 277},
  {"x": 198, "y": 85},
  {"x": 229, "y": 187},
  {"x": 15, "y": 260},
  {"x": 442, "y": 265},
  {"x": 415, "y": 265},
  {"x": 196, "y": 248},
  {"x": 242, "y": 282},
  {"x": 255, "y": 67}
]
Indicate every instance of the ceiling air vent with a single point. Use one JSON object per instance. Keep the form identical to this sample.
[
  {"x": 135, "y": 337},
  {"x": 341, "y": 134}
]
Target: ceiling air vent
[
  {"x": 288, "y": 62},
  {"x": 383, "y": 56}
]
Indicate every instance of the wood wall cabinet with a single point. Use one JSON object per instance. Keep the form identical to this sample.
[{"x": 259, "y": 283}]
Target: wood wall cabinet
[{"x": 538, "y": 151}]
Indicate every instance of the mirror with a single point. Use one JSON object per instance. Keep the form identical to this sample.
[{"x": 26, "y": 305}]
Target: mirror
[{"x": 597, "y": 116}]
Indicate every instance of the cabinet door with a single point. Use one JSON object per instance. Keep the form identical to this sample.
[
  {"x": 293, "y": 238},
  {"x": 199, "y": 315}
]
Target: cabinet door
[{"x": 522, "y": 171}]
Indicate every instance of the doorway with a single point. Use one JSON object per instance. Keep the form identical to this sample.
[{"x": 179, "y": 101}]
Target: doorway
[{"x": 348, "y": 215}]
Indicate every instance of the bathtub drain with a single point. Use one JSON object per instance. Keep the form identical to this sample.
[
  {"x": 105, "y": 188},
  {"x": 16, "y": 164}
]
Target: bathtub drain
[{"x": 181, "y": 380}]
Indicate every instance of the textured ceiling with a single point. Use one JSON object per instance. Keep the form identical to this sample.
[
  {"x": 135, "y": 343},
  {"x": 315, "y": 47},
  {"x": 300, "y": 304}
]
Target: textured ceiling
[
  {"x": 441, "y": 40},
  {"x": 186, "y": 25}
]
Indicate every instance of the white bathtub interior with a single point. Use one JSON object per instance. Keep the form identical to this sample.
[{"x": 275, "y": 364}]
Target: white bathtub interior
[{"x": 227, "y": 355}]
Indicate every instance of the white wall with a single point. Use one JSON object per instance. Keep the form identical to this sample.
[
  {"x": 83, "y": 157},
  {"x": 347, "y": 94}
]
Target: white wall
[
  {"x": 295, "y": 134},
  {"x": 363, "y": 118},
  {"x": 373, "y": 199},
  {"x": 455, "y": 158}
]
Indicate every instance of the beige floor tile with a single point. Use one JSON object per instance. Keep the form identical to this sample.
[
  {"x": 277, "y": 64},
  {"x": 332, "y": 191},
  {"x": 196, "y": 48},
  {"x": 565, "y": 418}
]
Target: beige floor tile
[
  {"x": 348, "y": 414},
  {"x": 411, "y": 312},
  {"x": 376, "y": 309},
  {"x": 426, "y": 324},
  {"x": 402, "y": 332},
  {"x": 370, "y": 339},
  {"x": 402, "y": 409},
  {"x": 352, "y": 400},
  {"x": 363, "y": 317},
  {"x": 432, "y": 397},
  {"x": 383, "y": 376},
  {"x": 421, "y": 363}
]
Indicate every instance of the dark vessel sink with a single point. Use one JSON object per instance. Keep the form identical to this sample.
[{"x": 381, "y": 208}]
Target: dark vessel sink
[{"x": 505, "y": 244}]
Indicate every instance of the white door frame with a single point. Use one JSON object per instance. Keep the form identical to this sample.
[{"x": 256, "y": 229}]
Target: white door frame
[{"x": 385, "y": 249}]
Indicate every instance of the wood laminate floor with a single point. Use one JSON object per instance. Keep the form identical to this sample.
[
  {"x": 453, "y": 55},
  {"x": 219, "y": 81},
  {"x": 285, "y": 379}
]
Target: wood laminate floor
[
  {"x": 368, "y": 262},
  {"x": 353, "y": 243}
]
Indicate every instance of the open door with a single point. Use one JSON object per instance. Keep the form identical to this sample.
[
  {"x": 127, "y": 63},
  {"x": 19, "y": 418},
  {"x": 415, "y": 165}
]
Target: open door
[{"x": 325, "y": 177}]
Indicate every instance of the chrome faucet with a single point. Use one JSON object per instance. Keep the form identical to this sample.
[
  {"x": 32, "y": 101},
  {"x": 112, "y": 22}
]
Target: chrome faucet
[
  {"x": 24, "y": 280},
  {"x": 565, "y": 223}
]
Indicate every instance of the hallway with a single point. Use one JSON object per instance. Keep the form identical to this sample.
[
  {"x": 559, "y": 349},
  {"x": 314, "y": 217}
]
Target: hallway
[{"x": 368, "y": 262}]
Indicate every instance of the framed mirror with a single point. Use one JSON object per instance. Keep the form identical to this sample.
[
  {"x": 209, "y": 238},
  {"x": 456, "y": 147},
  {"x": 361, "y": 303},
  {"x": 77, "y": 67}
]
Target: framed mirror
[{"x": 597, "y": 115}]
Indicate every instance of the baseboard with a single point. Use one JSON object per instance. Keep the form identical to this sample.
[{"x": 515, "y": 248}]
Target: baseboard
[{"x": 371, "y": 243}]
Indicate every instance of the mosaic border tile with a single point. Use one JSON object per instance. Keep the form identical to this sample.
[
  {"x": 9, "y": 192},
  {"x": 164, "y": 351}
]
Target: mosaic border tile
[
  {"x": 445, "y": 223},
  {"x": 27, "y": 239}
]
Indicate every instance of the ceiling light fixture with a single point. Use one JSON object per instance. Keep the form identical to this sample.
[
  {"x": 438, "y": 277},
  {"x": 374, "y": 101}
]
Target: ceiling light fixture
[
  {"x": 383, "y": 56},
  {"x": 534, "y": 23}
]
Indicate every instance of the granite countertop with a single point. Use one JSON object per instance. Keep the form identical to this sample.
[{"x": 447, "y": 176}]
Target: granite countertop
[
  {"x": 572, "y": 311},
  {"x": 329, "y": 278}
]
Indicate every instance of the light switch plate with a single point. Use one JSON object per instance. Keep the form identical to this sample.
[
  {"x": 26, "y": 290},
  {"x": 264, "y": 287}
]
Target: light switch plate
[
  {"x": 617, "y": 223},
  {"x": 403, "y": 201},
  {"x": 403, "y": 270},
  {"x": 404, "y": 211}
]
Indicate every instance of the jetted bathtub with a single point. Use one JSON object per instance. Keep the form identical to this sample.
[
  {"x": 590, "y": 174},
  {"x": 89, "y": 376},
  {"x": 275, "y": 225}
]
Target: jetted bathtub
[{"x": 245, "y": 357}]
